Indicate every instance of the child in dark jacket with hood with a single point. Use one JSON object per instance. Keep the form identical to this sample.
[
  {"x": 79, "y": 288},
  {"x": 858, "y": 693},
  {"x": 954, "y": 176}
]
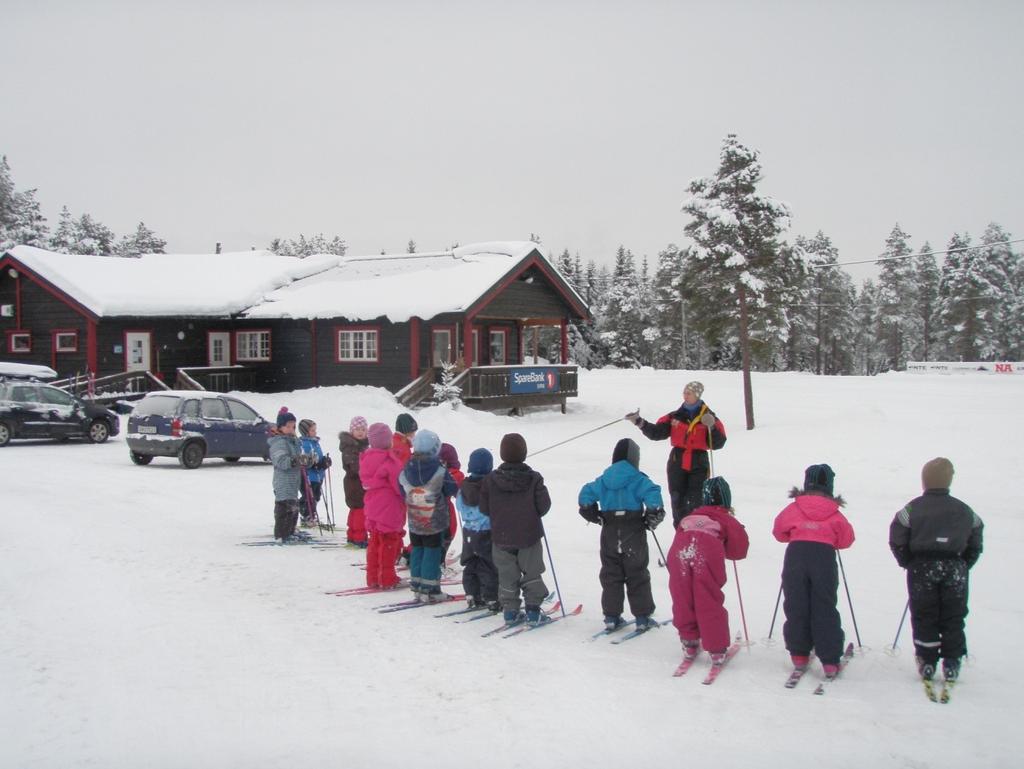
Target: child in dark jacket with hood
[
  {"x": 515, "y": 498},
  {"x": 937, "y": 539},
  {"x": 427, "y": 485},
  {"x": 479, "y": 574},
  {"x": 625, "y": 502},
  {"x": 815, "y": 530},
  {"x": 706, "y": 537},
  {"x": 352, "y": 444}
]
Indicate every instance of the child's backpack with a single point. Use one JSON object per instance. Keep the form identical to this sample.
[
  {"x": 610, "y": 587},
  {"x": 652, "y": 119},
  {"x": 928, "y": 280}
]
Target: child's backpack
[{"x": 421, "y": 501}]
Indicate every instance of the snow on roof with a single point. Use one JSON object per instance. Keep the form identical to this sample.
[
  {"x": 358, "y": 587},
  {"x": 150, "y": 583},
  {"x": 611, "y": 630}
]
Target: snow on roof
[
  {"x": 398, "y": 286},
  {"x": 170, "y": 284}
]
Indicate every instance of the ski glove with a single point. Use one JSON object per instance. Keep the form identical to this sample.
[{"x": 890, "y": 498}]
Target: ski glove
[
  {"x": 323, "y": 464},
  {"x": 591, "y": 513},
  {"x": 708, "y": 420},
  {"x": 302, "y": 460},
  {"x": 653, "y": 517},
  {"x": 634, "y": 417}
]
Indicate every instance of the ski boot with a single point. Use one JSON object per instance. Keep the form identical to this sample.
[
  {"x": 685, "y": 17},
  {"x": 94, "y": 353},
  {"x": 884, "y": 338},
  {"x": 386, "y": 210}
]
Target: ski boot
[
  {"x": 951, "y": 669},
  {"x": 613, "y": 622},
  {"x": 691, "y": 649},
  {"x": 925, "y": 669},
  {"x": 535, "y": 617},
  {"x": 646, "y": 622}
]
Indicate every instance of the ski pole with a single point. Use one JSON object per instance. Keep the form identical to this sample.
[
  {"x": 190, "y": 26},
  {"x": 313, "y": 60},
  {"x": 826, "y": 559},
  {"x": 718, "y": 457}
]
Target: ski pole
[
  {"x": 775, "y": 613},
  {"x": 330, "y": 491},
  {"x": 900, "y": 628},
  {"x": 664, "y": 562},
  {"x": 739, "y": 593},
  {"x": 554, "y": 576},
  {"x": 327, "y": 508},
  {"x": 846, "y": 586},
  {"x": 575, "y": 437},
  {"x": 310, "y": 507}
]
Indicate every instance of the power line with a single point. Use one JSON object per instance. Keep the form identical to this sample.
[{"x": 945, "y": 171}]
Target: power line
[{"x": 884, "y": 258}]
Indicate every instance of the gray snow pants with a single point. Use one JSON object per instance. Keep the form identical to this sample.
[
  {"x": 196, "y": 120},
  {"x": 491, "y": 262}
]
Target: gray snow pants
[{"x": 520, "y": 569}]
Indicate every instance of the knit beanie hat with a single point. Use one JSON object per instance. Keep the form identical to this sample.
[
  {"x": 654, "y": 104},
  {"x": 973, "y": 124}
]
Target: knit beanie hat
[
  {"x": 304, "y": 425},
  {"x": 716, "y": 492},
  {"x": 628, "y": 450},
  {"x": 357, "y": 423},
  {"x": 937, "y": 474},
  {"x": 695, "y": 387},
  {"x": 819, "y": 478},
  {"x": 284, "y": 416},
  {"x": 513, "y": 448},
  {"x": 481, "y": 462},
  {"x": 405, "y": 424},
  {"x": 379, "y": 435},
  {"x": 426, "y": 442},
  {"x": 449, "y": 456}
]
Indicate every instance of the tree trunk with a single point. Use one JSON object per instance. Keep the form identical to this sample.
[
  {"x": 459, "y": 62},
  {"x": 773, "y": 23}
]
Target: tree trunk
[{"x": 748, "y": 394}]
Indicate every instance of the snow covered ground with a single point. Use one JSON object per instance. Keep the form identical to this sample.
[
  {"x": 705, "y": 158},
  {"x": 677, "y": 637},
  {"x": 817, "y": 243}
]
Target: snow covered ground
[{"x": 137, "y": 632}]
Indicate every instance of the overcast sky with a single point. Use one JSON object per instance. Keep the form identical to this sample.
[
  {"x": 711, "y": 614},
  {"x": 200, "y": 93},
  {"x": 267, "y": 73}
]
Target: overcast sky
[{"x": 466, "y": 121}]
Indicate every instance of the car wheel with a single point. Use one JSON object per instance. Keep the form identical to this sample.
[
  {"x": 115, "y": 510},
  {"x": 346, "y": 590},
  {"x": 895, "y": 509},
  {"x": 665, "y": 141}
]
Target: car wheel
[
  {"x": 191, "y": 455},
  {"x": 99, "y": 431},
  {"x": 231, "y": 459},
  {"x": 140, "y": 459},
  {"x": 6, "y": 433}
]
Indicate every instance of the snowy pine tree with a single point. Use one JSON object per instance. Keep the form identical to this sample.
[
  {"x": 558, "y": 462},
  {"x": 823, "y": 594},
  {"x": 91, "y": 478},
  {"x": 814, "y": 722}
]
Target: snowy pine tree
[
  {"x": 410, "y": 247},
  {"x": 303, "y": 246},
  {"x": 737, "y": 268},
  {"x": 868, "y": 356},
  {"x": 667, "y": 331},
  {"x": 968, "y": 296},
  {"x": 621, "y": 323},
  {"x": 828, "y": 317},
  {"x": 63, "y": 238},
  {"x": 1007, "y": 315},
  {"x": 446, "y": 391},
  {"x": 926, "y": 305},
  {"x": 21, "y": 219},
  {"x": 91, "y": 237},
  {"x": 897, "y": 320},
  {"x": 142, "y": 241}
]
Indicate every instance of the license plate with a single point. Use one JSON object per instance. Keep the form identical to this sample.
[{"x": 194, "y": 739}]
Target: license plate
[{"x": 147, "y": 429}]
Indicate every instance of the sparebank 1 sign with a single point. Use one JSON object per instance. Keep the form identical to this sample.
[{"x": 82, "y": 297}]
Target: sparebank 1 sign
[{"x": 534, "y": 380}]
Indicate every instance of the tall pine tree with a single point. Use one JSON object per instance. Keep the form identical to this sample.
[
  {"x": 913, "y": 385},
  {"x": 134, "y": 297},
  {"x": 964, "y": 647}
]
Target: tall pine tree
[{"x": 896, "y": 316}]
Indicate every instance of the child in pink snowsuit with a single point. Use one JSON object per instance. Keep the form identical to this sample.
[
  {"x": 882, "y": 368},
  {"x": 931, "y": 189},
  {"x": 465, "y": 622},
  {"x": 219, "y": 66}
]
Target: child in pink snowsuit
[{"x": 696, "y": 570}]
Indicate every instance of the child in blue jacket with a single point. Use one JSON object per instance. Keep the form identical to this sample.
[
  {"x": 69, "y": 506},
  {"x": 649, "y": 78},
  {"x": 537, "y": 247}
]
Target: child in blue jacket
[
  {"x": 625, "y": 502},
  {"x": 314, "y": 473}
]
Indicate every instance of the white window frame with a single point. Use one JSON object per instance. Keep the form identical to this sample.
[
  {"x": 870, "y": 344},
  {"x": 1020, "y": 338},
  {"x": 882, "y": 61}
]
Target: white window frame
[
  {"x": 58, "y": 347},
  {"x": 252, "y": 345},
  {"x": 19, "y": 349},
  {"x": 358, "y": 345}
]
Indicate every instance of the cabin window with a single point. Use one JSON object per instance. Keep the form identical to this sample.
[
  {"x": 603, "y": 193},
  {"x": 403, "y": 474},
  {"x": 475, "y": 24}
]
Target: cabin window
[
  {"x": 65, "y": 341},
  {"x": 359, "y": 345},
  {"x": 19, "y": 341},
  {"x": 252, "y": 345}
]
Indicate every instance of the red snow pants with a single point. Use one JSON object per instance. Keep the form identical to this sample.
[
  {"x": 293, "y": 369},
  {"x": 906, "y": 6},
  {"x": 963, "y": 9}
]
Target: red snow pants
[
  {"x": 381, "y": 555},
  {"x": 696, "y": 576},
  {"x": 356, "y": 526}
]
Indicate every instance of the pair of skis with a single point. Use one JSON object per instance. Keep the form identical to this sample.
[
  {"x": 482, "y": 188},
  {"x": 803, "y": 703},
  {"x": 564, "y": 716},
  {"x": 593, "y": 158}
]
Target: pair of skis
[
  {"x": 549, "y": 617},
  {"x": 941, "y": 695},
  {"x": 716, "y": 667},
  {"x": 635, "y": 633},
  {"x": 823, "y": 686},
  {"x": 371, "y": 590}
]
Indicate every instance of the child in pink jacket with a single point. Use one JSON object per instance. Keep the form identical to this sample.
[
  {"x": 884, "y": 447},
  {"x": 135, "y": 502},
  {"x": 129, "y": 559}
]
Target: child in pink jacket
[
  {"x": 814, "y": 529},
  {"x": 696, "y": 571},
  {"x": 383, "y": 505}
]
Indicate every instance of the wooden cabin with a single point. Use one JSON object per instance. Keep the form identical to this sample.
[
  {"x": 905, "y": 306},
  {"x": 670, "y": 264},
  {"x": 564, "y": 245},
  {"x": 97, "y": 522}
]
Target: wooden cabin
[{"x": 263, "y": 322}]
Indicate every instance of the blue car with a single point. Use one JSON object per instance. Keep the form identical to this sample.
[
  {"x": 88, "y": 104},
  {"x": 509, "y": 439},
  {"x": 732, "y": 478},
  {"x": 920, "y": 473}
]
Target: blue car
[{"x": 192, "y": 425}]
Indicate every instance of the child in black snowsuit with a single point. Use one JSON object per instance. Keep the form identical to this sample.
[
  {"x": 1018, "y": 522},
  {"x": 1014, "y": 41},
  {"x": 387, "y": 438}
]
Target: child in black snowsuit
[
  {"x": 626, "y": 503},
  {"x": 937, "y": 539},
  {"x": 479, "y": 574}
]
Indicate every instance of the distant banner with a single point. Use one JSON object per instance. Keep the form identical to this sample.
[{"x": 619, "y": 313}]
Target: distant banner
[
  {"x": 533, "y": 380},
  {"x": 964, "y": 367}
]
